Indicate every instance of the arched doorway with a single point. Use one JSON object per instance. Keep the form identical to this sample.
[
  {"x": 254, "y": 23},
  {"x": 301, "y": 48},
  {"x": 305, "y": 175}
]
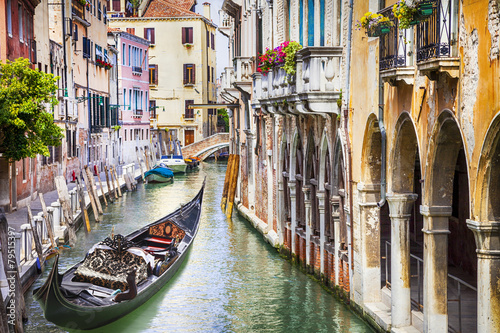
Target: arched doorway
[
  {"x": 449, "y": 270},
  {"x": 486, "y": 228}
]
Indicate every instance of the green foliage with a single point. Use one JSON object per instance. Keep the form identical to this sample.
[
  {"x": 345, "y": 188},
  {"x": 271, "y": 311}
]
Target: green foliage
[
  {"x": 26, "y": 128},
  {"x": 290, "y": 65},
  {"x": 222, "y": 114}
]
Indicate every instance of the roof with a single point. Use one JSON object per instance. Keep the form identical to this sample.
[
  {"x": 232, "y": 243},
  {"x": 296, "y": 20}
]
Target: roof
[
  {"x": 170, "y": 8},
  {"x": 113, "y": 29}
]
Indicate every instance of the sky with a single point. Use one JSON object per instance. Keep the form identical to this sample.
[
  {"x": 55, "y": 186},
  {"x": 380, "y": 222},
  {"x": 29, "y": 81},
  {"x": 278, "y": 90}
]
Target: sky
[{"x": 221, "y": 41}]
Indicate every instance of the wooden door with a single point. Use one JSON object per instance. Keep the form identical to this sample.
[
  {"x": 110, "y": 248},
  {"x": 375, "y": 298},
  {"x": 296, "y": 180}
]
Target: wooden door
[{"x": 188, "y": 137}]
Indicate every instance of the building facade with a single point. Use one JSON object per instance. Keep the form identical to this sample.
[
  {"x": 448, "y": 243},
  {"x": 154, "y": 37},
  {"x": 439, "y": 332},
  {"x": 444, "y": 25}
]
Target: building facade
[
  {"x": 181, "y": 67},
  {"x": 375, "y": 163},
  {"x": 17, "y": 179},
  {"x": 133, "y": 88}
]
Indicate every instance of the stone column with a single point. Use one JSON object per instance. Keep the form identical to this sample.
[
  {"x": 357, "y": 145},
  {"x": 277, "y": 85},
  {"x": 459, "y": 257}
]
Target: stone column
[
  {"x": 335, "y": 202},
  {"x": 293, "y": 207},
  {"x": 369, "y": 252},
  {"x": 436, "y": 220},
  {"x": 281, "y": 212},
  {"x": 487, "y": 235},
  {"x": 400, "y": 206},
  {"x": 322, "y": 229},
  {"x": 307, "y": 206}
]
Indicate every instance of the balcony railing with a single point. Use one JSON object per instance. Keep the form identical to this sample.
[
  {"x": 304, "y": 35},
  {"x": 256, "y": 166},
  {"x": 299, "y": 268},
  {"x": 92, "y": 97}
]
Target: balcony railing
[
  {"x": 137, "y": 113},
  {"x": 314, "y": 88},
  {"x": 243, "y": 67},
  {"x": 394, "y": 46},
  {"x": 136, "y": 70},
  {"x": 434, "y": 36}
]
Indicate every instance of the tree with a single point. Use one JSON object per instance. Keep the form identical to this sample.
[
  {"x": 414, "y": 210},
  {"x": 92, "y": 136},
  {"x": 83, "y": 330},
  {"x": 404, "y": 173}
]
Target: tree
[
  {"x": 222, "y": 113},
  {"x": 26, "y": 128}
]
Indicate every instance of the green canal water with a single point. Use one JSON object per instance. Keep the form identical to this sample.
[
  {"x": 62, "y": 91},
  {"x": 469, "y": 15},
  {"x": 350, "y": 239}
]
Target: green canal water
[{"x": 231, "y": 281}]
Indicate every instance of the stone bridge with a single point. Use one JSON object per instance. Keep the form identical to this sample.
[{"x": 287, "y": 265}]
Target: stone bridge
[{"x": 207, "y": 146}]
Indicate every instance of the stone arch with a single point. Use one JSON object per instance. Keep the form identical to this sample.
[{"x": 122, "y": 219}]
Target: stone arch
[
  {"x": 487, "y": 193},
  {"x": 404, "y": 153},
  {"x": 447, "y": 240},
  {"x": 311, "y": 180},
  {"x": 338, "y": 191},
  {"x": 444, "y": 147},
  {"x": 324, "y": 149},
  {"x": 371, "y": 154}
]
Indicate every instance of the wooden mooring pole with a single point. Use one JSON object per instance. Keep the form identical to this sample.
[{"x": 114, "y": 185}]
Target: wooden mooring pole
[
  {"x": 226, "y": 183},
  {"x": 93, "y": 188},
  {"x": 117, "y": 182},
  {"x": 81, "y": 200},
  {"x": 36, "y": 237},
  {"x": 232, "y": 186},
  {"x": 47, "y": 222},
  {"x": 91, "y": 196},
  {"x": 110, "y": 190}
]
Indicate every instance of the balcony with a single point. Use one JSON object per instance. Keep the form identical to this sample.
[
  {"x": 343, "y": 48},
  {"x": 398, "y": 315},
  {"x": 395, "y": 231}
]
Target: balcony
[
  {"x": 396, "y": 56},
  {"x": 314, "y": 88},
  {"x": 137, "y": 114},
  {"x": 436, "y": 43},
  {"x": 136, "y": 70},
  {"x": 243, "y": 70}
]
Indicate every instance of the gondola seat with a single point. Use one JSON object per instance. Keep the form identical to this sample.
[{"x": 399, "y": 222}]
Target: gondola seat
[
  {"x": 166, "y": 230},
  {"x": 107, "y": 268}
]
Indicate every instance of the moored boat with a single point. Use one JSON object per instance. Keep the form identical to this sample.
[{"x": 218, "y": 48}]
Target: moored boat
[
  {"x": 159, "y": 174},
  {"x": 120, "y": 273},
  {"x": 175, "y": 160}
]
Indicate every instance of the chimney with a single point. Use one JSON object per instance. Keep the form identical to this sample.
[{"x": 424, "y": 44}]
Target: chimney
[{"x": 206, "y": 10}]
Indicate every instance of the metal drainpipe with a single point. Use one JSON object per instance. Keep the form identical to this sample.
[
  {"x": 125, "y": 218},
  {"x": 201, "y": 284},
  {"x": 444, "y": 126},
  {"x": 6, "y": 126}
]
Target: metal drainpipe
[
  {"x": 346, "y": 115},
  {"x": 383, "y": 149}
]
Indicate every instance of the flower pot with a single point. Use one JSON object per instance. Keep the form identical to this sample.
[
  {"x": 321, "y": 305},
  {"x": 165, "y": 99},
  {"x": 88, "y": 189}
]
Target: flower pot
[{"x": 378, "y": 31}]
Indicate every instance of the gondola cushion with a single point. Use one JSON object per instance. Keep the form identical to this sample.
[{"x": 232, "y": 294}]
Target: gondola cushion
[
  {"x": 106, "y": 268},
  {"x": 167, "y": 230}
]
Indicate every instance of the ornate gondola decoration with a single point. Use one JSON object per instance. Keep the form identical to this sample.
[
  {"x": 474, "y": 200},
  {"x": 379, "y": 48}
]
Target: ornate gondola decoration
[{"x": 120, "y": 273}]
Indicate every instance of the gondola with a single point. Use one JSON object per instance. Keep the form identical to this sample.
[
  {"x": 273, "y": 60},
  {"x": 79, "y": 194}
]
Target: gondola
[{"x": 120, "y": 273}]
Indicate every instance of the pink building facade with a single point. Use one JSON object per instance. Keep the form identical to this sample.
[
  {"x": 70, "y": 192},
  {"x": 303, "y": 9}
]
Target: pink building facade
[{"x": 133, "y": 92}]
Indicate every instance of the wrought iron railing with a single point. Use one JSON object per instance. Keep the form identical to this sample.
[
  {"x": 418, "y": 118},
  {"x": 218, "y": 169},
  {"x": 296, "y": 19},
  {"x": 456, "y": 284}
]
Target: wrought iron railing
[
  {"x": 394, "y": 46},
  {"x": 434, "y": 35}
]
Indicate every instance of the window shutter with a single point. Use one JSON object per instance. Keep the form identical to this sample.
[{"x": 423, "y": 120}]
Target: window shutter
[
  {"x": 208, "y": 73},
  {"x": 185, "y": 74},
  {"x": 116, "y": 5},
  {"x": 152, "y": 36},
  {"x": 213, "y": 42},
  {"x": 131, "y": 31},
  {"x": 156, "y": 74},
  {"x": 190, "y": 35},
  {"x": 193, "y": 74},
  {"x": 208, "y": 39},
  {"x": 183, "y": 35}
]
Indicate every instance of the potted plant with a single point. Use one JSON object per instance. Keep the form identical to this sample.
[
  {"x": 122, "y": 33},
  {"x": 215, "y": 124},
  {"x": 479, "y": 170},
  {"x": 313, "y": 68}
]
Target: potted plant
[
  {"x": 82, "y": 2},
  {"x": 282, "y": 55},
  {"x": 410, "y": 12},
  {"x": 266, "y": 61},
  {"x": 374, "y": 24}
]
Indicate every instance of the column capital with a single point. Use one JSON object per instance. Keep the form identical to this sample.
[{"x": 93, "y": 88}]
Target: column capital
[
  {"x": 487, "y": 235},
  {"x": 400, "y": 204}
]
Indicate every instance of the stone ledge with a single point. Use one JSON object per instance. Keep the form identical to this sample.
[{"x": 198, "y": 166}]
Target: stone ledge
[{"x": 380, "y": 313}]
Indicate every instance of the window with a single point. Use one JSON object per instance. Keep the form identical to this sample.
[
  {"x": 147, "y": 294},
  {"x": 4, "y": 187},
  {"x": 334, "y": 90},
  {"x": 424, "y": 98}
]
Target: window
[
  {"x": 116, "y": 5},
  {"x": 75, "y": 32},
  {"x": 152, "y": 108},
  {"x": 20, "y": 17},
  {"x": 189, "y": 73},
  {"x": 208, "y": 39},
  {"x": 213, "y": 41},
  {"x": 213, "y": 75},
  {"x": 123, "y": 53},
  {"x": 187, "y": 35},
  {"x": 9, "y": 17},
  {"x": 99, "y": 10},
  {"x": 86, "y": 47},
  {"x": 149, "y": 34},
  {"x": 188, "y": 113},
  {"x": 124, "y": 98},
  {"x": 146, "y": 102},
  {"x": 153, "y": 74},
  {"x": 129, "y": 53},
  {"x": 130, "y": 102},
  {"x": 208, "y": 73},
  {"x": 104, "y": 15},
  {"x": 131, "y": 31},
  {"x": 98, "y": 52}
]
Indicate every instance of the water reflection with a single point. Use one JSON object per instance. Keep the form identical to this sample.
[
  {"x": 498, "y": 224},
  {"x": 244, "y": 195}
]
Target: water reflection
[{"x": 231, "y": 280}]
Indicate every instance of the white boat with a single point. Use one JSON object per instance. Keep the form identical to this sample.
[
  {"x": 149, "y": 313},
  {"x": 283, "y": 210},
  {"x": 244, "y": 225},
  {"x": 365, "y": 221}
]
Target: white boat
[{"x": 175, "y": 160}]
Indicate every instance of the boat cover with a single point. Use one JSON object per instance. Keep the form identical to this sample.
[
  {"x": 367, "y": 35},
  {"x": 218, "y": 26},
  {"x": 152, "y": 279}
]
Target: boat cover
[{"x": 164, "y": 172}]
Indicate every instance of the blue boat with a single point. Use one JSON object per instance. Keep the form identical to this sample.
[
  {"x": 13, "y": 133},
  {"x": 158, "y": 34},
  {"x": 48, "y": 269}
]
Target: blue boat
[{"x": 159, "y": 174}]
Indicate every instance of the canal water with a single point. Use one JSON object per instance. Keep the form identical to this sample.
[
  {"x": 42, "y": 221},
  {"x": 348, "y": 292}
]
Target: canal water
[{"x": 231, "y": 280}]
